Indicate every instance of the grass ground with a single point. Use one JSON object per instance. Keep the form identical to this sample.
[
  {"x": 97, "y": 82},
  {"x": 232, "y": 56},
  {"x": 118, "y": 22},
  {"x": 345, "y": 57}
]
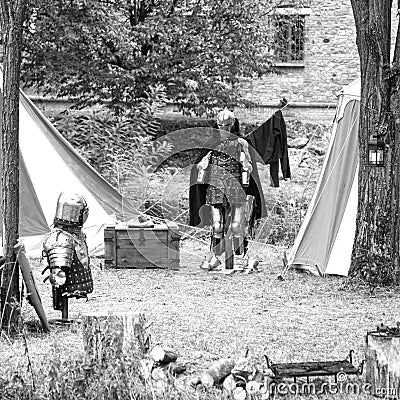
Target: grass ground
[{"x": 206, "y": 316}]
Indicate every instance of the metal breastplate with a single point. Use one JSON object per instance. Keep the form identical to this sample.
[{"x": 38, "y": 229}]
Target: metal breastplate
[
  {"x": 224, "y": 160},
  {"x": 59, "y": 247},
  {"x": 69, "y": 252}
]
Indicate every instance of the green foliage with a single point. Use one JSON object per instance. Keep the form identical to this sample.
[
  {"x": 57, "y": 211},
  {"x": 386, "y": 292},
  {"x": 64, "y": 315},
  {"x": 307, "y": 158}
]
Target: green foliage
[
  {"x": 286, "y": 209},
  {"x": 168, "y": 125},
  {"x": 112, "y": 51},
  {"x": 285, "y": 218},
  {"x": 119, "y": 147}
]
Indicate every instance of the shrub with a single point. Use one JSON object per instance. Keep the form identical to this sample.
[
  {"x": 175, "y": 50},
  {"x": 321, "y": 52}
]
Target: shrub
[{"x": 119, "y": 147}]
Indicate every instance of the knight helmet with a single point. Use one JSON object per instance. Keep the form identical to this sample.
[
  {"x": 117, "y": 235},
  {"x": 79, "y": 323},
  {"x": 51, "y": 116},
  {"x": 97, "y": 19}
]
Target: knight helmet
[
  {"x": 225, "y": 118},
  {"x": 72, "y": 210}
]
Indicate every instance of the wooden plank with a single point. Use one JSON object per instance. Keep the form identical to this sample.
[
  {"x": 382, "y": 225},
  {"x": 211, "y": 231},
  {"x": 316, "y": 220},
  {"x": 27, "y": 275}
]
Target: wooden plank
[
  {"x": 137, "y": 235},
  {"x": 109, "y": 240},
  {"x": 115, "y": 246},
  {"x": 143, "y": 263},
  {"x": 152, "y": 244},
  {"x": 157, "y": 227},
  {"x": 174, "y": 264},
  {"x": 173, "y": 245},
  {"x": 146, "y": 231},
  {"x": 150, "y": 253},
  {"x": 174, "y": 256},
  {"x": 172, "y": 227}
]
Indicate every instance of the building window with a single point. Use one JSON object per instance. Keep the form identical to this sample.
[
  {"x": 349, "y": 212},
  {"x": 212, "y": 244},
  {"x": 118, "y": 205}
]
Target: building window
[{"x": 288, "y": 38}]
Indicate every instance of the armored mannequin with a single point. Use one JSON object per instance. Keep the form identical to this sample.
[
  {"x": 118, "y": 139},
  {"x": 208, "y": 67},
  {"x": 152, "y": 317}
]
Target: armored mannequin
[
  {"x": 67, "y": 253},
  {"x": 226, "y": 169}
]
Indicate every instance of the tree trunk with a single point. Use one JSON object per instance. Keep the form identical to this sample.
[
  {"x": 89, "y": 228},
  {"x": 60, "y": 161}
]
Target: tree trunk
[
  {"x": 12, "y": 13},
  {"x": 111, "y": 336},
  {"x": 382, "y": 364},
  {"x": 376, "y": 248}
]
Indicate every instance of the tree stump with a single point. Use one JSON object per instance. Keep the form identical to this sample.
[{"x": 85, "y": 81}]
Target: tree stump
[
  {"x": 114, "y": 335},
  {"x": 382, "y": 364}
]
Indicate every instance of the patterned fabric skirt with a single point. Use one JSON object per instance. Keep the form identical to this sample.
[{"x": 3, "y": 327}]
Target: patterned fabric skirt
[{"x": 225, "y": 192}]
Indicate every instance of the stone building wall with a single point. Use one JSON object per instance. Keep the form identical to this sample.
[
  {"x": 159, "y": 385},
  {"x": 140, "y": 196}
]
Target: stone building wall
[{"x": 330, "y": 62}]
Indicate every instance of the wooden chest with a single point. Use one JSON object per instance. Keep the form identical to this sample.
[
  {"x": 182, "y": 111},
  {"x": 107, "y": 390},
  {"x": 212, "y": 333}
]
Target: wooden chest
[{"x": 131, "y": 247}]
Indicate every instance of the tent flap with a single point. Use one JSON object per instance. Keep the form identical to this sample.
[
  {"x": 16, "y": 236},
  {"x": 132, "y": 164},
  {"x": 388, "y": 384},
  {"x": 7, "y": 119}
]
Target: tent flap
[
  {"x": 49, "y": 165},
  {"x": 327, "y": 233}
]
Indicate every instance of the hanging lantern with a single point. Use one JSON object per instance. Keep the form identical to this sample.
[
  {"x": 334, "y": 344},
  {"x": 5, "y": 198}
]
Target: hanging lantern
[{"x": 376, "y": 152}]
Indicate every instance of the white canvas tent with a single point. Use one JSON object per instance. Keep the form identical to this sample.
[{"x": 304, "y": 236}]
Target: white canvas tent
[
  {"x": 325, "y": 240},
  {"x": 50, "y": 165}
]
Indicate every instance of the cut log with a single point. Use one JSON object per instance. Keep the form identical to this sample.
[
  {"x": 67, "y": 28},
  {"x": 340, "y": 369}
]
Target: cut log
[
  {"x": 146, "y": 367},
  {"x": 163, "y": 355},
  {"x": 161, "y": 387},
  {"x": 107, "y": 336},
  {"x": 229, "y": 383},
  {"x": 194, "y": 381},
  {"x": 259, "y": 377},
  {"x": 239, "y": 393},
  {"x": 382, "y": 364},
  {"x": 217, "y": 372},
  {"x": 175, "y": 368},
  {"x": 253, "y": 387},
  {"x": 244, "y": 370},
  {"x": 158, "y": 374},
  {"x": 162, "y": 372}
]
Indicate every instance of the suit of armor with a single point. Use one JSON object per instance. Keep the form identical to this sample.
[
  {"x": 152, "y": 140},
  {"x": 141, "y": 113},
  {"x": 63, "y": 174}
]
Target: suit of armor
[
  {"x": 226, "y": 170},
  {"x": 67, "y": 253}
]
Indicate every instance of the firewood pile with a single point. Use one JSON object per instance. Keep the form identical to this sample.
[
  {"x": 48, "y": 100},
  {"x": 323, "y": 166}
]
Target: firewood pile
[
  {"x": 161, "y": 367},
  {"x": 239, "y": 378}
]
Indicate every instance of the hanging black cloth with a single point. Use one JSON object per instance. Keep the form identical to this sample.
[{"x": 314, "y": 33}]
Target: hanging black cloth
[{"x": 270, "y": 141}]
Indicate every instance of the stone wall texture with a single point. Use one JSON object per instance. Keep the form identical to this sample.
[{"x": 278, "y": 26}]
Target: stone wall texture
[{"x": 331, "y": 61}]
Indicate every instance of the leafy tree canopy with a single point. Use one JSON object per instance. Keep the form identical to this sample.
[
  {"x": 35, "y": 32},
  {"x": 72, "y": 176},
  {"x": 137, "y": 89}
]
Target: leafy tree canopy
[{"x": 113, "y": 51}]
